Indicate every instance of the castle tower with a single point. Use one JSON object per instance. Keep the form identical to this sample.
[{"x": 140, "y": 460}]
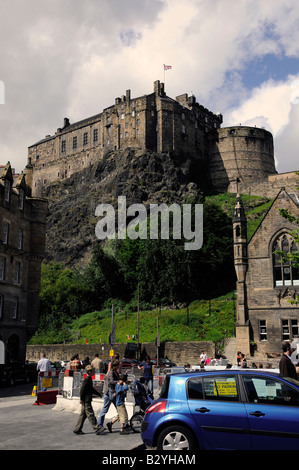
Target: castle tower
[
  {"x": 242, "y": 152},
  {"x": 241, "y": 265}
]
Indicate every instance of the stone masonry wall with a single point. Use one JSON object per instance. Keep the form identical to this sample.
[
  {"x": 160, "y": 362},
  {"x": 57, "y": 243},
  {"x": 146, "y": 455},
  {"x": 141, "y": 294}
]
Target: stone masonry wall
[{"x": 179, "y": 352}]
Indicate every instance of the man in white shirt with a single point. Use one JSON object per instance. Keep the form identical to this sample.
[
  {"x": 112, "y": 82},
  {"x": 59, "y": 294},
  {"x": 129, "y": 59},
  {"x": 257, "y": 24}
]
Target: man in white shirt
[{"x": 43, "y": 365}]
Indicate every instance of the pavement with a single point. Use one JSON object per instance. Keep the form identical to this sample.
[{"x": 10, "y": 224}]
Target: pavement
[{"x": 26, "y": 426}]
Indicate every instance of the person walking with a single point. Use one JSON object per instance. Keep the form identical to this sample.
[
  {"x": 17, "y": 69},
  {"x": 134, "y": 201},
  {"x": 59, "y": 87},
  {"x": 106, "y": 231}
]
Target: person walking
[
  {"x": 286, "y": 367},
  {"x": 147, "y": 372},
  {"x": 110, "y": 381},
  {"x": 122, "y": 415},
  {"x": 86, "y": 392}
]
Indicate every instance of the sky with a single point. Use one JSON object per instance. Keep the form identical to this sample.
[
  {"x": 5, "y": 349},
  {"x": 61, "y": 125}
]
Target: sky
[{"x": 72, "y": 58}]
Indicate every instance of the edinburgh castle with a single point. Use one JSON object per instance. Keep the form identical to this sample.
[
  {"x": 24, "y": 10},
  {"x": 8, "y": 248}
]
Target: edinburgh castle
[{"x": 175, "y": 127}]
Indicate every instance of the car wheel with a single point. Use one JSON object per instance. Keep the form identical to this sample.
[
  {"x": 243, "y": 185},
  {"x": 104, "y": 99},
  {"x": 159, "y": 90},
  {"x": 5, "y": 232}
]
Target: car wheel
[{"x": 176, "y": 438}]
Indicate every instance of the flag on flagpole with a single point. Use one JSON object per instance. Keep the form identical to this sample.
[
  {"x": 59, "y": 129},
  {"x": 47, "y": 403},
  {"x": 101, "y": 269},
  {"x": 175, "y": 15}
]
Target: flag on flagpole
[{"x": 167, "y": 67}]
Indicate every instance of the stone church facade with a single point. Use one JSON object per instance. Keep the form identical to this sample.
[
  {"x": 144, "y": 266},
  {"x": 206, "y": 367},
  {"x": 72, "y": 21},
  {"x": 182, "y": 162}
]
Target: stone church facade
[
  {"x": 267, "y": 314},
  {"x": 22, "y": 248}
]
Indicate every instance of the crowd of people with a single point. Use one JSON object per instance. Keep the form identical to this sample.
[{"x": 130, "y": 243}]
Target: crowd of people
[{"x": 114, "y": 392}]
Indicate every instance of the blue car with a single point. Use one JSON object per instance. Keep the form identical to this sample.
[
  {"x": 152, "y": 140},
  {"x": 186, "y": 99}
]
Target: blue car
[{"x": 238, "y": 409}]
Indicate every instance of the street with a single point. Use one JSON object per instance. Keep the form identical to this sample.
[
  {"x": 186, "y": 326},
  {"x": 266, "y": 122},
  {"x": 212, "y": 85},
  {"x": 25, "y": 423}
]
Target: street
[{"x": 25, "y": 426}]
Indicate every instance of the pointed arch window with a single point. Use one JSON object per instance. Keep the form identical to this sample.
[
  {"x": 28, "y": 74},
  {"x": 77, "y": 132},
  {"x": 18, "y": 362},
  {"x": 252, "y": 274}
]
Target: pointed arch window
[{"x": 285, "y": 273}]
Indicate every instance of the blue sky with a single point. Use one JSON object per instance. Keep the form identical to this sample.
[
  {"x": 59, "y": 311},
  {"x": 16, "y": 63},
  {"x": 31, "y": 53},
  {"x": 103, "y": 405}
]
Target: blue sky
[{"x": 70, "y": 58}]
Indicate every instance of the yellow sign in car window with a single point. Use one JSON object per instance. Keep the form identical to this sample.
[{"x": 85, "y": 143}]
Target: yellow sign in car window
[{"x": 223, "y": 388}]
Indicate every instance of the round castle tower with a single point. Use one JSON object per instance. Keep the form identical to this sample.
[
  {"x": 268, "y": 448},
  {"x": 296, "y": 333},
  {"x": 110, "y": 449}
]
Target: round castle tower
[{"x": 240, "y": 153}]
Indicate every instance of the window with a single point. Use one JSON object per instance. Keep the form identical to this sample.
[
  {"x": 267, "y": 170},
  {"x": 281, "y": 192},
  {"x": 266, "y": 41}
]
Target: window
[
  {"x": 20, "y": 239},
  {"x": 15, "y": 304},
  {"x": 5, "y": 233},
  {"x": 270, "y": 391},
  {"x": 1, "y": 305},
  {"x": 21, "y": 199},
  {"x": 63, "y": 145},
  {"x": 122, "y": 116},
  {"x": 2, "y": 268},
  {"x": 263, "y": 330},
  {"x": 85, "y": 138},
  {"x": 289, "y": 329},
  {"x": 220, "y": 388},
  {"x": 17, "y": 272},
  {"x": 75, "y": 142},
  {"x": 285, "y": 274},
  {"x": 7, "y": 191},
  {"x": 95, "y": 135}
]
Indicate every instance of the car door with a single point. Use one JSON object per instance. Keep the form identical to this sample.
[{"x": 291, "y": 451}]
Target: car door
[
  {"x": 220, "y": 416},
  {"x": 273, "y": 413}
]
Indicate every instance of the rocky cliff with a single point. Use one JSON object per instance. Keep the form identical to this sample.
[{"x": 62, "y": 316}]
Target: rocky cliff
[{"x": 143, "y": 177}]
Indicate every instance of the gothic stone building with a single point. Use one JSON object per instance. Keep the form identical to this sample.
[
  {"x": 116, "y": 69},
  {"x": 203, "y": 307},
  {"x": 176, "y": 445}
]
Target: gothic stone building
[
  {"x": 266, "y": 286},
  {"x": 22, "y": 246}
]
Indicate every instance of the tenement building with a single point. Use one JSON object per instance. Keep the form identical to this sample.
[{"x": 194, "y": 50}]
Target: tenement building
[{"x": 22, "y": 247}]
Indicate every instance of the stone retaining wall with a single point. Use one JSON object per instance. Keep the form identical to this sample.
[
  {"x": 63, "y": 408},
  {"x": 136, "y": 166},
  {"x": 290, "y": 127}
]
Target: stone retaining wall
[{"x": 179, "y": 352}]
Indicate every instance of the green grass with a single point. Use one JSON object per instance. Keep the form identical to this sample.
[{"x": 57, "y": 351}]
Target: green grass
[
  {"x": 255, "y": 208},
  {"x": 206, "y": 320}
]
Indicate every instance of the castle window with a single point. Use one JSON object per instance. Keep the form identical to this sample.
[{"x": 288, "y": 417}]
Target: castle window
[
  {"x": 285, "y": 273},
  {"x": 85, "y": 138},
  {"x": 138, "y": 122},
  {"x": 95, "y": 135},
  {"x": 75, "y": 141},
  {"x": 2, "y": 268},
  {"x": 289, "y": 329},
  {"x": 63, "y": 145}
]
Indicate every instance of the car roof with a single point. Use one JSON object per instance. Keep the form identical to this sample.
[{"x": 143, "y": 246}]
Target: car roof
[{"x": 206, "y": 373}]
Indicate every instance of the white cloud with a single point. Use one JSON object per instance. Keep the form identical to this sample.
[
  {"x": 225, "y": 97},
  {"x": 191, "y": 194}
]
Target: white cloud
[{"x": 71, "y": 59}]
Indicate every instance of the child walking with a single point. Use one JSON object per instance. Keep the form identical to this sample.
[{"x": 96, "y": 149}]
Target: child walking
[{"x": 122, "y": 415}]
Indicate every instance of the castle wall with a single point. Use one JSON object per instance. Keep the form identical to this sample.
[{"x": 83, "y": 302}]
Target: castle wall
[
  {"x": 243, "y": 153},
  {"x": 268, "y": 186}
]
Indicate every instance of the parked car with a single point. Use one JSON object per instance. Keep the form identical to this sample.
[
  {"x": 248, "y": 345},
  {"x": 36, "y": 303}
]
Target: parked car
[
  {"x": 18, "y": 372},
  {"x": 163, "y": 362},
  {"x": 127, "y": 362},
  {"x": 233, "y": 409}
]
